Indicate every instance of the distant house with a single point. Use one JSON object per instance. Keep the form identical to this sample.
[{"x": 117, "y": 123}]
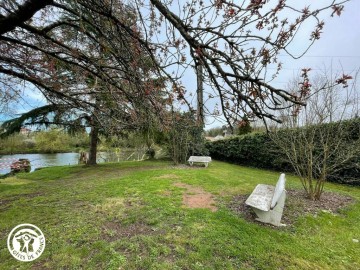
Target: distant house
[
  {"x": 212, "y": 139},
  {"x": 219, "y": 137},
  {"x": 25, "y": 131}
]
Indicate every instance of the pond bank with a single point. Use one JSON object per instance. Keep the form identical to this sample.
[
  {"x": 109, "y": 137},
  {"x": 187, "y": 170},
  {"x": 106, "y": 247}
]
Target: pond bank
[{"x": 70, "y": 158}]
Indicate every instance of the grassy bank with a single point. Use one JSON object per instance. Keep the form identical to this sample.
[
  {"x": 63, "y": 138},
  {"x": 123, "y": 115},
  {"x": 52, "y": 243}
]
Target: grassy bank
[
  {"x": 131, "y": 216},
  {"x": 51, "y": 141}
]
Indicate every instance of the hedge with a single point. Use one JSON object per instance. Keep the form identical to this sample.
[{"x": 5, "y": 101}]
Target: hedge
[{"x": 258, "y": 150}]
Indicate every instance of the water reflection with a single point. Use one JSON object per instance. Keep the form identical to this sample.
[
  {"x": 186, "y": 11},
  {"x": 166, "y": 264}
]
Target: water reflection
[{"x": 61, "y": 159}]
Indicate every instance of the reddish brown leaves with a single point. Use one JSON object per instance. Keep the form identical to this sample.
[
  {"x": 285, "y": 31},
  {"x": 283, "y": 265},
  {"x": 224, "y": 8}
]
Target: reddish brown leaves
[
  {"x": 231, "y": 12},
  {"x": 265, "y": 53},
  {"x": 260, "y": 25},
  {"x": 304, "y": 91},
  {"x": 344, "y": 80},
  {"x": 337, "y": 9},
  {"x": 177, "y": 43},
  {"x": 279, "y": 6},
  {"x": 306, "y": 11},
  {"x": 256, "y": 4},
  {"x": 305, "y": 85},
  {"x": 316, "y": 33},
  {"x": 179, "y": 90},
  {"x": 219, "y": 4},
  {"x": 183, "y": 58},
  {"x": 198, "y": 51}
]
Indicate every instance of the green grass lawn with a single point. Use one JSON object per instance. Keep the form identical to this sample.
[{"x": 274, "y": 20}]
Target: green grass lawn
[{"x": 130, "y": 216}]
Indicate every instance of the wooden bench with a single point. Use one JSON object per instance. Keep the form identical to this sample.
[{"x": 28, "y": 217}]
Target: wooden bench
[
  {"x": 268, "y": 201},
  {"x": 199, "y": 159}
]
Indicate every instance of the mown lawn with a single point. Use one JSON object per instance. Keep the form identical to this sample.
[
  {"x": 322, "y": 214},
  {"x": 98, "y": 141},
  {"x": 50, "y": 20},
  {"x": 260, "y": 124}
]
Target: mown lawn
[{"x": 130, "y": 216}]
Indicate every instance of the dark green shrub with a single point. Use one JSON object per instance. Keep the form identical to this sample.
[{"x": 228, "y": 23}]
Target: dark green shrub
[
  {"x": 254, "y": 149},
  {"x": 258, "y": 150}
]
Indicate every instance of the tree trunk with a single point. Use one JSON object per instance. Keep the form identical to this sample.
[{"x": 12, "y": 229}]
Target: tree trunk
[
  {"x": 93, "y": 145},
  {"x": 199, "y": 91}
]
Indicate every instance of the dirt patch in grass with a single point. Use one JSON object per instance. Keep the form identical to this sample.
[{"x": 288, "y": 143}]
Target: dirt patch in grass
[
  {"x": 296, "y": 205},
  {"x": 196, "y": 197},
  {"x": 112, "y": 230}
]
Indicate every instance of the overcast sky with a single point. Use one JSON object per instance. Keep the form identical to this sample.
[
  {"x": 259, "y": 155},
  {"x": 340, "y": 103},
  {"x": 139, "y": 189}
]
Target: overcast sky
[{"x": 338, "y": 47}]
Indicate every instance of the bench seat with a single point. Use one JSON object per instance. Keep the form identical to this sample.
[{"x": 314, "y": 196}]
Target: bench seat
[
  {"x": 268, "y": 202},
  {"x": 261, "y": 197},
  {"x": 199, "y": 159}
]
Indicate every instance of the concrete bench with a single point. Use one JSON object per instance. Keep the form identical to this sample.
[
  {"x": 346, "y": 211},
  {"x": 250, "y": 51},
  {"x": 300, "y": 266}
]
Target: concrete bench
[
  {"x": 268, "y": 202},
  {"x": 199, "y": 159}
]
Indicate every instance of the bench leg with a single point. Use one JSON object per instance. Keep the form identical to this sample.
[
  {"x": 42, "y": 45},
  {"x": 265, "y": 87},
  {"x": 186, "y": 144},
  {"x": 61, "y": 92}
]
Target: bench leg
[
  {"x": 191, "y": 163},
  {"x": 206, "y": 164},
  {"x": 274, "y": 215}
]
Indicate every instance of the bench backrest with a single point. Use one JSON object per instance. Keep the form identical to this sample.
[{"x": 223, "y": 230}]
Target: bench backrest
[
  {"x": 279, "y": 188},
  {"x": 199, "y": 159}
]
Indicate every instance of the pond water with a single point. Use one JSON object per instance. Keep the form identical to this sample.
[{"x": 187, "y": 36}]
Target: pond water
[{"x": 61, "y": 159}]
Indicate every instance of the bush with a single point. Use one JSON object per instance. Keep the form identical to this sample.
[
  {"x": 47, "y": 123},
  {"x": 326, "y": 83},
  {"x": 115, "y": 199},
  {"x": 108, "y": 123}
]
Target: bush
[
  {"x": 13, "y": 144},
  {"x": 254, "y": 150},
  {"x": 258, "y": 150},
  {"x": 185, "y": 138},
  {"x": 52, "y": 141}
]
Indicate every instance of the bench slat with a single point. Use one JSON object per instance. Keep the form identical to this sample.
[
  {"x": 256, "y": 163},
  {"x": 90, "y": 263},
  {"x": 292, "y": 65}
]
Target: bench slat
[
  {"x": 261, "y": 197},
  {"x": 199, "y": 159},
  {"x": 279, "y": 188}
]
